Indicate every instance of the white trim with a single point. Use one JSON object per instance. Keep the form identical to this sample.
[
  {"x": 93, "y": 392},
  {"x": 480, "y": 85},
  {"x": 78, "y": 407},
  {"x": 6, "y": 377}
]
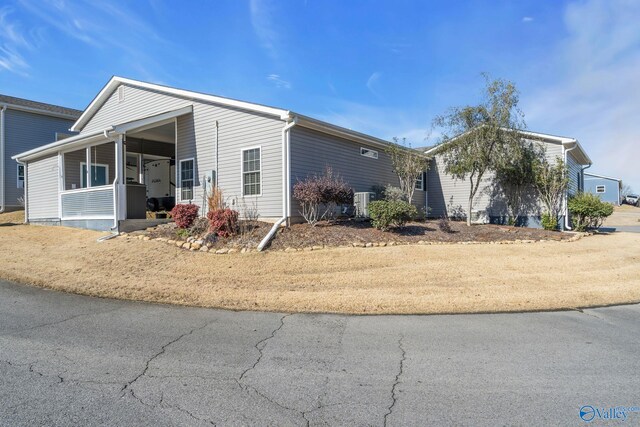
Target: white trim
[
  {"x": 94, "y": 138},
  {"x": 87, "y": 190},
  {"x": 193, "y": 180},
  {"x": 374, "y": 154},
  {"x": 84, "y": 218},
  {"x": 421, "y": 188},
  {"x": 18, "y": 181},
  {"x": 604, "y": 189},
  {"x": 116, "y": 81},
  {"x": 242, "y": 172},
  {"x": 602, "y": 176},
  {"x": 106, "y": 166}
]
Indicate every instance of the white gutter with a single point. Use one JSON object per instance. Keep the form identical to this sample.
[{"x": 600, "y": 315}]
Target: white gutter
[
  {"x": 566, "y": 198},
  {"x": 286, "y": 183},
  {"x": 2, "y": 165}
]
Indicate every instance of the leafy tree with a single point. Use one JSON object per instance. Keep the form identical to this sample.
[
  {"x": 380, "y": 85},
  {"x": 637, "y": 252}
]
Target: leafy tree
[
  {"x": 551, "y": 182},
  {"x": 477, "y": 139},
  {"x": 516, "y": 176},
  {"x": 408, "y": 164}
]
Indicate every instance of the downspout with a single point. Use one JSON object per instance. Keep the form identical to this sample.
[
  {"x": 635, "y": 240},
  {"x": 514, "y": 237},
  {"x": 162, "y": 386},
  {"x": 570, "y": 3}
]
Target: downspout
[
  {"x": 566, "y": 198},
  {"x": 2, "y": 165},
  {"x": 286, "y": 171}
]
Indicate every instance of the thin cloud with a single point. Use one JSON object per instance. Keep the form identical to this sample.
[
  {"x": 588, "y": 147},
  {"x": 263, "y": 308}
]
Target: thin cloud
[
  {"x": 12, "y": 41},
  {"x": 527, "y": 19},
  {"x": 278, "y": 81},
  {"x": 262, "y": 22},
  {"x": 595, "y": 95},
  {"x": 372, "y": 82}
]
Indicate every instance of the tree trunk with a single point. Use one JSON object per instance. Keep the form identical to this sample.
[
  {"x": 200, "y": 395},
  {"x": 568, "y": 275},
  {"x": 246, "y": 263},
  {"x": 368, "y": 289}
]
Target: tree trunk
[{"x": 469, "y": 210}]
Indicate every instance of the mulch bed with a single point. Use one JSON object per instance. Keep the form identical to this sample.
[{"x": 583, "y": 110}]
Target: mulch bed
[
  {"x": 350, "y": 232},
  {"x": 356, "y": 233}
]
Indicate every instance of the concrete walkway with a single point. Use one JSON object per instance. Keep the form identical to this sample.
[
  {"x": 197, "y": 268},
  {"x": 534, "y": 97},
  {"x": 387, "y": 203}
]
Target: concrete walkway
[{"x": 72, "y": 360}]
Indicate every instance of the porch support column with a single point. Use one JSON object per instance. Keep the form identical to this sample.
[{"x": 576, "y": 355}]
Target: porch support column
[
  {"x": 121, "y": 205},
  {"x": 87, "y": 175}
]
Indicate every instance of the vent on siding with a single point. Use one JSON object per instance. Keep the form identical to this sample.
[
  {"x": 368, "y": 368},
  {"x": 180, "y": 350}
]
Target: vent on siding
[{"x": 120, "y": 93}]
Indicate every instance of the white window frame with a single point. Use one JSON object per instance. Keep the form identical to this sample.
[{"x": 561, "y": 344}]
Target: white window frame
[
  {"x": 193, "y": 178},
  {"x": 83, "y": 176},
  {"x": 20, "y": 179},
  {"x": 242, "y": 172},
  {"x": 374, "y": 153},
  {"x": 421, "y": 181},
  {"x": 604, "y": 189}
]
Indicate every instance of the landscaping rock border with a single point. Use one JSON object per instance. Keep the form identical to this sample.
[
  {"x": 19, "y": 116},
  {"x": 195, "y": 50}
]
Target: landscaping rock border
[{"x": 196, "y": 245}]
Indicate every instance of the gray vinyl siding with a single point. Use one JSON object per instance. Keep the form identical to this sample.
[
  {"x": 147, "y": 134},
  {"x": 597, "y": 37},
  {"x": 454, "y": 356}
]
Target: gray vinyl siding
[
  {"x": 25, "y": 131},
  {"x": 575, "y": 175},
  {"x": 42, "y": 183},
  {"x": 611, "y": 188},
  {"x": 196, "y": 138},
  {"x": 446, "y": 195},
  {"x": 312, "y": 152}
]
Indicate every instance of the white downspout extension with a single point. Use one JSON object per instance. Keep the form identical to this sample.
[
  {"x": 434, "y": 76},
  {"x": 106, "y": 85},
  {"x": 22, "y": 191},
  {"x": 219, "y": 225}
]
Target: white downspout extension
[
  {"x": 286, "y": 172},
  {"x": 3, "y": 172},
  {"x": 566, "y": 198}
]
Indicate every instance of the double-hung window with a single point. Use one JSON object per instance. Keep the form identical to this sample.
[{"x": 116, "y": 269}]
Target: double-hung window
[
  {"x": 251, "y": 172},
  {"x": 420, "y": 182},
  {"x": 186, "y": 179},
  {"x": 20, "y": 177}
]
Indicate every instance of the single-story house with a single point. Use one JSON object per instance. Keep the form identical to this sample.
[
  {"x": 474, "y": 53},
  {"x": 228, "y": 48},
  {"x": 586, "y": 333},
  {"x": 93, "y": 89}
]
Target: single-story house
[
  {"x": 26, "y": 124},
  {"x": 141, "y": 145},
  {"x": 447, "y": 196},
  {"x": 605, "y": 187}
]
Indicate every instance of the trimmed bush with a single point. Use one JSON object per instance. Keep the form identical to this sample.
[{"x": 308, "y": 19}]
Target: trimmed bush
[
  {"x": 223, "y": 222},
  {"x": 549, "y": 222},
  {"x": 588, "y": 211},
  {"x": 319, "y": 196},
  {"x": 184, "y": 215},
  {"x": 386, "y": 214},
  {"x": 394, "y": 194}
]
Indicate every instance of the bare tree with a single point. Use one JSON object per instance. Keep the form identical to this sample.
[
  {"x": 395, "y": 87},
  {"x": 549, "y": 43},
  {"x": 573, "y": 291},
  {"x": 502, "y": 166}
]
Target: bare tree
[
  {"x": 408, "y": 164},
  {"x": 552, "y": 181},
  {"x": 477, "y": 139}
]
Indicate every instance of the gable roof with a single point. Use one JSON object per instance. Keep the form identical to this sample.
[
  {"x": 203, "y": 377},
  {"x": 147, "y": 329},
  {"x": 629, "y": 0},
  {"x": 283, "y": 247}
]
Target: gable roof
[
  {"x": 568, "y": 144},
  {"x": 116, "y": 81},
  {"x": 602, "y": 176},
  {"x": 39, "y": 107}
]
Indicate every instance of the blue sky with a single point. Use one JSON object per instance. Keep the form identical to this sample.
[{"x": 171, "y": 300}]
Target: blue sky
[{"x": 379, "y": 67}]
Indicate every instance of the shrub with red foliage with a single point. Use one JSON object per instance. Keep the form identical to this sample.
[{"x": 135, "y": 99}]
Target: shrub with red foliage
[
  {"x": 223, "y": 222},
  {"x": 184, "y": 215}
]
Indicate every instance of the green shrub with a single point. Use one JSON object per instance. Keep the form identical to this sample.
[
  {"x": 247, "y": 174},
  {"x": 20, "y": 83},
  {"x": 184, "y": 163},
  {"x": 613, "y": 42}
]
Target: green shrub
[
  {"x": 588, "y": 211},
  {"x": 386, "y": 214},
  {"x": 549, "y": 222}
]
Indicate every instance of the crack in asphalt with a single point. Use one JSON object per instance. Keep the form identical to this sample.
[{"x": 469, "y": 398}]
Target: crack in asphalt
[
  {"x": 394, "y": 397},
  {"x": 579, "y": 310},
  {"x": 260, "y": 346},
  {"x": 129, "y": 384},
  {"x": 246, "y": 388},
  {"x": 57, "y": 322}
]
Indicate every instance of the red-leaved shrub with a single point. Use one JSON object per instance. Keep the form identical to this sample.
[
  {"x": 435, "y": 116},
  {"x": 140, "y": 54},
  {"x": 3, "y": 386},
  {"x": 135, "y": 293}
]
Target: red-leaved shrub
[
  {"x": 326, "y": 191},
  {"x": 223, "y": 222},
  {"x": 184, "y": 215}
]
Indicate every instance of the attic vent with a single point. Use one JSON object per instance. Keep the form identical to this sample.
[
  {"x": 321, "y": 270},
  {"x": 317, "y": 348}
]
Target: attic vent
[
  {"x": 368, "y": 153},
  {"x": 120, "y": 93}
]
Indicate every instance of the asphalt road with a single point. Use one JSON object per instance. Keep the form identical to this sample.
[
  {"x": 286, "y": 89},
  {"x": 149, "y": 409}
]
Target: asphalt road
[{"x": 72, "y": 360}]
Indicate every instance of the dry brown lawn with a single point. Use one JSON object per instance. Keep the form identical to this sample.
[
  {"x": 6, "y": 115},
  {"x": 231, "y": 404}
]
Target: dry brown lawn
[
  {"x": 596, "y": 270},
  {"x": 624, "y": 215}
]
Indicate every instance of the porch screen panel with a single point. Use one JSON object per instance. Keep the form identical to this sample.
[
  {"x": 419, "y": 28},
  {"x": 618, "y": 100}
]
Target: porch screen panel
[{"x": 95, "y": 203}]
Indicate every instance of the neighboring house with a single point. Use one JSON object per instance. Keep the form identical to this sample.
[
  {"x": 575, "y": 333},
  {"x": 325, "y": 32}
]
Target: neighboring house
[
  {"x": 142, "y": 143},
  {"x": 447, "y": 196},
  {"x": 25, "y": 125},
  {"x": 607, "y": 188}
]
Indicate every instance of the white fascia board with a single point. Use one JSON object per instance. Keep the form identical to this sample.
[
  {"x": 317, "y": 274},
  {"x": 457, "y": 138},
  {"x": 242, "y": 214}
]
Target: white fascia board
[
  {"x": 602, "y": 176},
  {"x": 63, "y": 144},
  {"x": 117, "y": 81}
]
